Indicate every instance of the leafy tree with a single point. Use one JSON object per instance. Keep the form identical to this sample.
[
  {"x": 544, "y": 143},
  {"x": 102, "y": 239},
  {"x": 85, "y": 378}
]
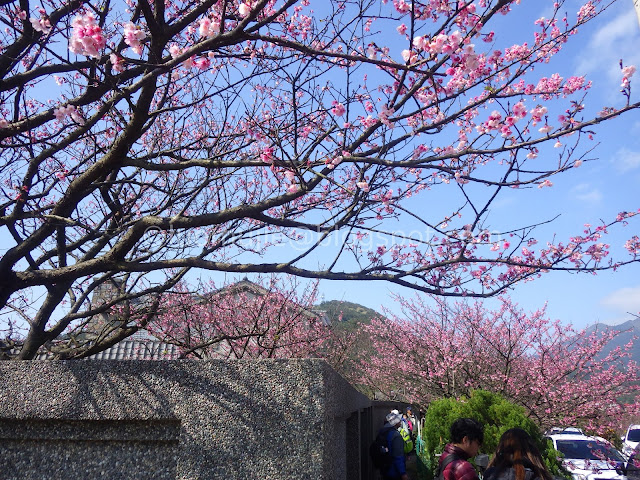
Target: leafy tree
[
  {"x": 439, "y": 349},
  {"x": 496, "y": 414},
  {"x": 144, "y": 140}
]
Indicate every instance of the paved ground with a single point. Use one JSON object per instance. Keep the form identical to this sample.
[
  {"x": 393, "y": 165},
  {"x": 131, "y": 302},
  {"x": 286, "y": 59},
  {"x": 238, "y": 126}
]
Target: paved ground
[{"x": 412, "y": 467}]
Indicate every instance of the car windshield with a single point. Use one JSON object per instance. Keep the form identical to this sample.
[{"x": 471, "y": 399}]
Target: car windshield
[
  {"x": 588, "y": 450},
  {"x": 634, "y": 435}
]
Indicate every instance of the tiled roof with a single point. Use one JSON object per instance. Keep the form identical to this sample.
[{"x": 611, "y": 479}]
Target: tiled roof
[{"x": 135, "y": 349}]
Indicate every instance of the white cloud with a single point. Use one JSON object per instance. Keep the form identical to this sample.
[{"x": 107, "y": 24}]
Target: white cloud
[
  {"x": 610, "y": 44},
  {"x": 624, "y": 300},
  {"x": 586, "y": 193},
  {"x": 626, "y": 160}
]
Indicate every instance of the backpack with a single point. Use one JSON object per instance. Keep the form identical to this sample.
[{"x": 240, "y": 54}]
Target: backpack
[
  {"x": 408, "y": 443},
  {"x": 447, "y": 460},
  {"x": 380, "y": 450}
]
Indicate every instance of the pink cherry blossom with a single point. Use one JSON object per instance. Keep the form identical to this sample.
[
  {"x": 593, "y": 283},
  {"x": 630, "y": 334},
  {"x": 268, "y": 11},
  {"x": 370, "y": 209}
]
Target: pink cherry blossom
[
  {"x": 419, "y": 42},
  {"x": 41, "y": 25},
  {"x": 133, "y": 35},
  {"x": 538, "y": 113},
  {"x": 519, "y": 110},
  {"x": 175, "y": 51},
  {"x": 372, "y": 52},
  {"x": 68, "y": 111},
  {"x": 86, "y": 37},
  {"x": 244, "y": 9},
  {"x": 627, "y": 73},
  {"x": 364, "y": 186},
  {"x": 547, "y": 367},
  {"x": 186, "y": 143},
  {"x": 117, "y": 63},
  {"x": 208, "y": 27},
  {"x": 267, "y": 155},
  {"x": 633, "y": 245},
  {"x": 338, "y": 109},
  {"x": 588, "y": 10},
  {"x": 202, "y": 63},
  {"x": 385, "y": 113}
]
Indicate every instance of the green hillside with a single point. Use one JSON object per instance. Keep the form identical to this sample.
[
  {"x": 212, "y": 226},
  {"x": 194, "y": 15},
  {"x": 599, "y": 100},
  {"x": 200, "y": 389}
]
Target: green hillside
[{"x": 352, "y": 313}]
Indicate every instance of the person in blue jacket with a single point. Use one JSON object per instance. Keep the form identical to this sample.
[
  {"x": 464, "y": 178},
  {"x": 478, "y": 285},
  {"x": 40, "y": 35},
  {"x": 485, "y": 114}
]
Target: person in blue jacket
[{"x": 398, "y": 468}]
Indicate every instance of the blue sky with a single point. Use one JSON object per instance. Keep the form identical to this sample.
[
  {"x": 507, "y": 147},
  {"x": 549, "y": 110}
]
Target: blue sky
[{"x": 597, "y": 190}]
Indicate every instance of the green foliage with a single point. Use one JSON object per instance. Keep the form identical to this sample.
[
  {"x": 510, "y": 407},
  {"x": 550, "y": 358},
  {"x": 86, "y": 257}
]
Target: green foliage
[{"x": 496, "y": 414}]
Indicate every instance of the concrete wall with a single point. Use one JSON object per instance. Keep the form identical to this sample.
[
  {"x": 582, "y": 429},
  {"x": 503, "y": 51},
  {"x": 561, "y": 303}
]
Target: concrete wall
[{"x": 182, "y": 419}]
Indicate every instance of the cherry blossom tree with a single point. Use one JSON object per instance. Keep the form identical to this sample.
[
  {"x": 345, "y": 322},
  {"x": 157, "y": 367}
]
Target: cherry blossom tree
[
  {"x": 437, "y": 349},
  {"x": 142, "y": 140},
  {"x": 243, "y": 320}
]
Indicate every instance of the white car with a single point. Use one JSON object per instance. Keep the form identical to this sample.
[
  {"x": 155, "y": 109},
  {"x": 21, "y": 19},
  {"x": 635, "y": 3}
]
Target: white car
[
  {"x": 589, "y": 458},
  {"x": 631, "y": 439}
]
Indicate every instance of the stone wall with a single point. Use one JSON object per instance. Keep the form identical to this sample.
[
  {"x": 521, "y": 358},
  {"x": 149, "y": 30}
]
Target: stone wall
[{"x": 182, "y": 419}]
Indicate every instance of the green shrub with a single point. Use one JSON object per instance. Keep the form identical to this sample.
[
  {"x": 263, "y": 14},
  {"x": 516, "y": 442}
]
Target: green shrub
[{"x": 496, "y": 414}]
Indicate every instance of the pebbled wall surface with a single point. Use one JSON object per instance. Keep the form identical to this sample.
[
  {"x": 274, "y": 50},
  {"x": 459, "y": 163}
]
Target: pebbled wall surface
[{"x": 179, "y": 419}]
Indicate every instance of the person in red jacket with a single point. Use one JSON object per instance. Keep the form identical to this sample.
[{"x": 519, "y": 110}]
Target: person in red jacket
[{"x": 466, "y": 437}]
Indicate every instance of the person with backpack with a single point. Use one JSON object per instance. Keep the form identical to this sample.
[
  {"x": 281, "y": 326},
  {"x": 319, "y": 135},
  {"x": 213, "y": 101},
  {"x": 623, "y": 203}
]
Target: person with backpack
[
  {"x": 517, "y": 458},
  {"x": 412, "y": 422},
  {"x": 466, "y": 436},
  {"x": 387, "y": 451}
]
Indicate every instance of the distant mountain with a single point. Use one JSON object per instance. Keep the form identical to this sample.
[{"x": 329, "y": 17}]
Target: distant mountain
[
  {"x": 627, "y": 330},
  {"x": 352, "y": 313}
]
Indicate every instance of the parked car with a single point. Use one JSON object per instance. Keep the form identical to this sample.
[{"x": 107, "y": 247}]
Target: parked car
[
  {"x": 631, "y": 439},
  {"x": 633, "y": 465},
  {"x": 589, "y": 458}
]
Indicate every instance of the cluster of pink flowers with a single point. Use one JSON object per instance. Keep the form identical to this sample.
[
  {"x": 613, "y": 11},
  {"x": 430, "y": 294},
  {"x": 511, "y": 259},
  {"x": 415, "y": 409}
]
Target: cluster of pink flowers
[
  {"x": 337, "y": 160},
  {"x": 537, "y": 113},
  {"x": 364, "y": 186},
  {"x": 244, "y": 9},
  {"x": 86, "y": 37},
  {"x": 338, "y": 108},
  {"x": 69, "y": 111},
  {"x": 633, "y": 245},
  {"x": 627, "y": 73},
  {"x": 175, "y": 51},
  {"x": 496, "y": 122},
  {"x": 385, "y": 113},
  {"x": 293, "y": 187},
  {"x": 209, "y": 28},
  {"x": 117, "y": 63},
  {"x": 586, "y": 11},
  {"x": 441, "y": 43},
  {"x": 517, "y": 52},
  {"x": 202, "y": 63},
  {"x": 267, "y": 155},
  {"x": 132, "y": 37},
  {"x": 41, "y": 25},
  {"x": 598, "y": 251}
]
